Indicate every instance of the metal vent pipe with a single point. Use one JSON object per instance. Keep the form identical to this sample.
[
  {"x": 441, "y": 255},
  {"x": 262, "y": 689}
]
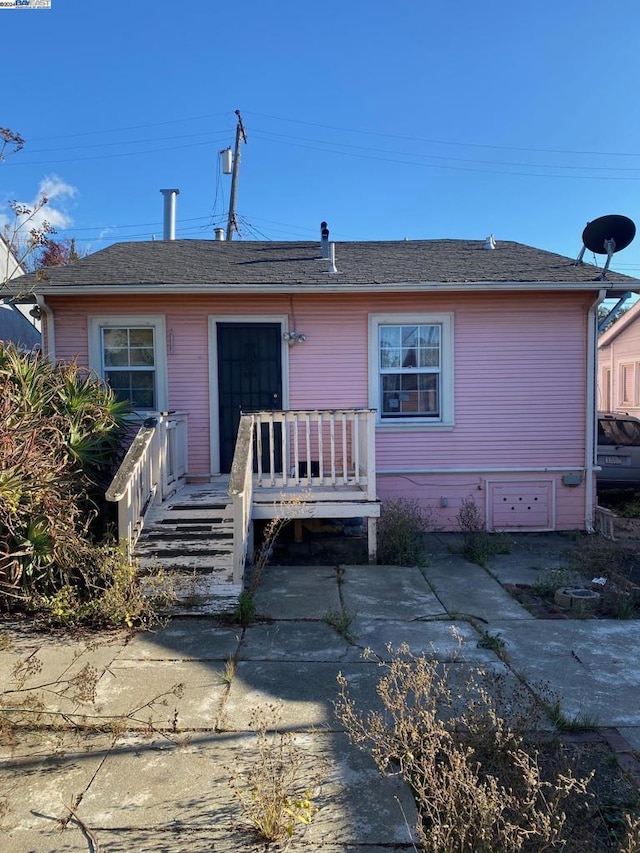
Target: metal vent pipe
[{"x": 169, "y": 213}]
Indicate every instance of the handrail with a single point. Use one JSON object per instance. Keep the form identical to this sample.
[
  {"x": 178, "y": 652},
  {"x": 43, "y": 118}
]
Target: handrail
[
  {"x": 154, "y": 467},
  {"x": 241, "y": 494}
]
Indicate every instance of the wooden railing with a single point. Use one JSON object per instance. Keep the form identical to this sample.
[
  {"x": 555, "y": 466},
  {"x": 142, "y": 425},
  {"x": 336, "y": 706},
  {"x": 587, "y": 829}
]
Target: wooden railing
[
  {"x": 315, "y": 448},
  {"x": 154, "y": 467},
  {"x": 241, "y": 494},
  {"x": 291, "y": 449}
]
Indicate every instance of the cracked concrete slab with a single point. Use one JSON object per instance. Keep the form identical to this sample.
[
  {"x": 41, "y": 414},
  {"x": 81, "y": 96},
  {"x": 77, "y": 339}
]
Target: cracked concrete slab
[
  {"x": 388, "y": 592},
  {"x": 586, "y": 662},
  {"x": 445, "y": 639},
  {"x": 305, "y": 689},
  {"x": 297, "y": 592},
  {"x": 43, "y": 772},
  {"x": 469, "y": 590},
  {"x": 301, "y": 641},
  {"x": 184, "y": 639},
  {"x": 182, "y": 694}
]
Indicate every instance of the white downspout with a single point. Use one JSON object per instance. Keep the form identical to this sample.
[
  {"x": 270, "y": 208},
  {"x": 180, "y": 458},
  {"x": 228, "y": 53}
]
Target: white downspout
[
  {"x": 590, "y": 450},
  {"x": 47, "y": 314}
]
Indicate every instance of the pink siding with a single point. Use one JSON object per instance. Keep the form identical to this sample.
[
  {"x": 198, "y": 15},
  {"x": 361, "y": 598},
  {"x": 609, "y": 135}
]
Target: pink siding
[
  {"x": 623, "y": 349},
  {"x": 519, "y": 367}
]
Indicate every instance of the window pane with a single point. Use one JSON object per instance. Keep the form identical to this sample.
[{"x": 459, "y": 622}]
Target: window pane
[
  {"x": 390, "y": 358},
  {"x": 409, "y": 336},
  {"x": 115, "y": 337},
  {"x": 137, "y": 386},
  {"x": 390, "y": 336},
  {"x": 142, "y": 357},
  {"x": 429, "y": 357},
  {"x": 116, "y": 357},
  {"x": 141, "y": 337},
  {"x": 624, "y": 433}
]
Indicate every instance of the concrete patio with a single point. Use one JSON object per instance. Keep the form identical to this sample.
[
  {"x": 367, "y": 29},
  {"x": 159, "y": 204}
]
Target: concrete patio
[{"x": 169, "y": 726}]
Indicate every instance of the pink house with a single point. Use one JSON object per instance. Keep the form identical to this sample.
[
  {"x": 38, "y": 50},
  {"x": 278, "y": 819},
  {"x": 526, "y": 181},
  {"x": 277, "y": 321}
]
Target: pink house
[
  {"x": 436, "y": 370},
  {"x": 619, "y": 365}
]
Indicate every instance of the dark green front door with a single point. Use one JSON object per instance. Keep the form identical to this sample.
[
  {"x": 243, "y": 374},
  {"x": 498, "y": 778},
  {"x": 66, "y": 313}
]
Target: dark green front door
[{"x": 249, "y": 377}]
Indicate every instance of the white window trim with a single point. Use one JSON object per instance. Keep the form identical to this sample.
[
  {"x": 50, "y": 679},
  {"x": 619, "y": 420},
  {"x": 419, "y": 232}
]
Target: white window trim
[
  {"x": 622, "y": 401},
  {"x": 140, "y": 321},
  {"x": 445, "y": 319}
]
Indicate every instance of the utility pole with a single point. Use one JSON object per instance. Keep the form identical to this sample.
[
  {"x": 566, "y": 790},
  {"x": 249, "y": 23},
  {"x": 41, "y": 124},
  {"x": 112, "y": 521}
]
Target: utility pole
[{"x": 241, "y": 136}]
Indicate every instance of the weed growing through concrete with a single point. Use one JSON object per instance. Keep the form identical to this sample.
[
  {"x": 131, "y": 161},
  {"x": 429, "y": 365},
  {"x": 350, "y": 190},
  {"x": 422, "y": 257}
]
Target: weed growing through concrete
[
  {"x": 472, "y": 748},
  {"x": 277, "y": 792},
  {"x": 565, "y": 723},
  {"x": 341, "y": 621},
  {"x": 496, "y": 643},
  {"x": 477, "y": 544},
  {"x": 229, "y": 672},
  {"x": 245, "y": 610},
  {"x": 401, "y": 527}
]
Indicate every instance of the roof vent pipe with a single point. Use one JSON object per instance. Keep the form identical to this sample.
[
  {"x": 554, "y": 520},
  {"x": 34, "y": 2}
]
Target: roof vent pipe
[
  {"x": 332, "y": 258},
  {"x": 490, "y": 243},
  {"x": 169, "y": 214},
  {"x": 218, "y": 234},
  {"x": 324, "y": 240}
]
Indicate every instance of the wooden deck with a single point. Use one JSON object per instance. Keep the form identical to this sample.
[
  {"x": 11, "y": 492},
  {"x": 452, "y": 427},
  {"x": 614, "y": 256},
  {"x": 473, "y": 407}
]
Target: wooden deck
[
  {"x": 301, "y": 464},
  {"x": 190, "y": 535}
]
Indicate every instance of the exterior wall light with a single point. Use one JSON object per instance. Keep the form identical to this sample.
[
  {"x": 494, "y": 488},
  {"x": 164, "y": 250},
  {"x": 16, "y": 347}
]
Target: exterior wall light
[{"x": 294, "y": 338}]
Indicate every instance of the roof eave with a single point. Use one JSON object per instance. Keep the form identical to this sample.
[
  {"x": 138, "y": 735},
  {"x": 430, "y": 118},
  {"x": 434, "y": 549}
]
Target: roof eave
[{"x": 328, "y": 287}]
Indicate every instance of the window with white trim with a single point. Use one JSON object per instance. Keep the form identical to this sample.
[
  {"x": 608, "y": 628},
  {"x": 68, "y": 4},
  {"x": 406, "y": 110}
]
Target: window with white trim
[
  {"x": 411, "y": 368},
  {"x": 627, "y": 384},
  {"x": 129, "y": 352},
  {"x": 129, "y": 364}
]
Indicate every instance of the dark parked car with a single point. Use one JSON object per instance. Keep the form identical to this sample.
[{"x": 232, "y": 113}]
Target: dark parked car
[{"x": 618, "y": 450}]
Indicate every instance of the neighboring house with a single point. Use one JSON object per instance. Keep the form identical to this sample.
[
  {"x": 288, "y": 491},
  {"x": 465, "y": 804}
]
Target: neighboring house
[
  {"x": 619, "y": 365},
  {"x": 479, "y": 362},
  {"x": 16, "y": 325}
]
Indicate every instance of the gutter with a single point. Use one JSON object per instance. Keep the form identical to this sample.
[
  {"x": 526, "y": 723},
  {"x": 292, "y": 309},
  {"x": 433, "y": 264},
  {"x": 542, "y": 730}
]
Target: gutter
[
  {"x": 194, "y": 288},
  {"x": 590, "y": 438}
]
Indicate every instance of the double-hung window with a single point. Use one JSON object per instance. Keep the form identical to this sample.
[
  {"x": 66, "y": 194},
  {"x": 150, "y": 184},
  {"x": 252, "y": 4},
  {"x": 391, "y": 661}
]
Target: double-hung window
[
  {"x": 411, "y": 368},
  {"x": 129, "y": 353},
  {"x": 129, "y": 364}
]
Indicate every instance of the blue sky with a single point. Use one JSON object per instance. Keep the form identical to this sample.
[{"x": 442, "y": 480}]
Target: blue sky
[{"x": 417, "y": 118}]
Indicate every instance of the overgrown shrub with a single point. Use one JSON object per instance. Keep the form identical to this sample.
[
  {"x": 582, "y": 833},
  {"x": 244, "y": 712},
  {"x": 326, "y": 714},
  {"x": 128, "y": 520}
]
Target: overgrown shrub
[
  {"x": 472, "y": 749},
  {"x": 401, "y": 527},
  {"x": 60, "y": 430},
  {"x": 477, "y": 544}
]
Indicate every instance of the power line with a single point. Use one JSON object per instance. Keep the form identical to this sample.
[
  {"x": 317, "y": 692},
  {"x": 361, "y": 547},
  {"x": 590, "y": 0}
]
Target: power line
[
  {"x": 447, "y": 142},
  {"x": 131, "y": 127},
  {"x": 454, "y": 159},
  {"x": 108, "y": 156},
  {"x": 455, "y": 168},
  {"x": 216, "y": 133}
]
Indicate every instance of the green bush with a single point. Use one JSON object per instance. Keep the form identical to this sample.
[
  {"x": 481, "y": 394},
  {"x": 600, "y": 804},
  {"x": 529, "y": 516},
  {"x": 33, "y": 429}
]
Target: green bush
[
  {"x": 400, "y": 530},
  {"x": 60, "y": 432}
]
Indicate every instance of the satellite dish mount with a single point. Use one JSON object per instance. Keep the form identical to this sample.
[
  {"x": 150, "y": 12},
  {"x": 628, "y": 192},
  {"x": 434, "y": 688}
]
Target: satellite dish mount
[{"x": 606, "y": 236}]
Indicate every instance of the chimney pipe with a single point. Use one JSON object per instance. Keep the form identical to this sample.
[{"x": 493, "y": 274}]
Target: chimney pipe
[
  {"x": 332, "y": 258},
  {"x": 218, "y": 234},
  {"x": 169, "y": 214},
  {"x": 324, "y": 240}
]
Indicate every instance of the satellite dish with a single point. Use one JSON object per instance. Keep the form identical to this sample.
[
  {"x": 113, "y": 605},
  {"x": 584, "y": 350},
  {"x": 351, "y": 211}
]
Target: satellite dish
[
  {"x": 598, "y": 233},
  {"x": 606, "y": 236}
]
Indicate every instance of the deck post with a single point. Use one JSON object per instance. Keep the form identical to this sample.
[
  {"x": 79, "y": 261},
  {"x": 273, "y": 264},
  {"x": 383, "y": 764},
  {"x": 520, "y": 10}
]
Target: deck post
[{"x": 372, "y": 528}]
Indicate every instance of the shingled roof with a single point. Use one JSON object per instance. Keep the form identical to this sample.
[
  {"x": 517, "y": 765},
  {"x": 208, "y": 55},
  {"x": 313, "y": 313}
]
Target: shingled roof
[{"x": 205, "y": 264}]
